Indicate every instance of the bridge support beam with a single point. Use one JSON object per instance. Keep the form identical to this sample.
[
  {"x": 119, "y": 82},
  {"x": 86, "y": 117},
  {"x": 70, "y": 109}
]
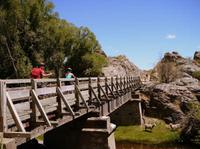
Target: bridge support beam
[
  {"x": 98, "y": 133},
  {"x": 129, "y": 114}
]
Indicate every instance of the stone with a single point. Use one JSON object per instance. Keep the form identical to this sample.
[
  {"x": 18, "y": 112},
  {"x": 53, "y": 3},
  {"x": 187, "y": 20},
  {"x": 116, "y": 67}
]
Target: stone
[
  {"x": 190, "y": 83},
  {"x": 167, "y": 101}
]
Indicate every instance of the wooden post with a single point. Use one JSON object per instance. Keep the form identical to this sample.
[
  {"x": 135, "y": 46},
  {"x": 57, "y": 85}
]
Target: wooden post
[
  {"x": 98, "y": 88},
  {"x": 89, "y": 89},
  {"x": 59, "y": 108},
  {"x": 3, "y": 105},
  {"x": 131, "y": 83},
  {"x": 106, "y": 85},
  {"x": 32, "y": 103},
  {"x": 124, "y": 80},
  {"x": 112, "y": 87},
  {"x": 127, "y": 83},
  {"x": 117, "y": 83},
  {"x": 76, "y": 92},
  {"x": 121, "y": 84}
]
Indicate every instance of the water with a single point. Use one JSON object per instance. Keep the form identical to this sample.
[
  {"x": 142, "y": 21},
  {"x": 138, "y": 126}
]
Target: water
[{"x": 164, "y": 146}]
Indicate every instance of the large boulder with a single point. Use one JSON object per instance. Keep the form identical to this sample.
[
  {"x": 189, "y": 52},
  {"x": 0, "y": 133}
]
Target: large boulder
[
  {"x": 167, "y": 101},
  {"x": 190, "y": 83}
]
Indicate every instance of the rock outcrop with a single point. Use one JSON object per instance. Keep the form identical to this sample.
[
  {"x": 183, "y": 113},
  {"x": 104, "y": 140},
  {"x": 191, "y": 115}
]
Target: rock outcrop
[
  {"x": 171, "y": 100},
  {"x": 167, "y": 101},
  {"x": 120, "y": 66},
  {"x": 186, "y": 66}
]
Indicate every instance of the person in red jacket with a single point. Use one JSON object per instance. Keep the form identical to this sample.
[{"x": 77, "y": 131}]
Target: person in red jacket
[{"x": 38, "y": 72}]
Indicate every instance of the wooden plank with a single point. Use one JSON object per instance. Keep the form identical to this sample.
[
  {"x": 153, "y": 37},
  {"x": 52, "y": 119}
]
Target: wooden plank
[
  {"x": 45, "y": 80},
  {"x": 40, "y": 108},
  {"x": 17, "y": 81},
  {"x": 19, "y": 94},
  {"x": 83, "y": 79},
  {"x": 17, "y": 134},
  {"x": 66, "y": 79},
  {"x": 14, "y": 114},
  {"x": 67, "y": 88},
  {"x": 45, "y": 91},
  {"x": 65, "y": 101}
]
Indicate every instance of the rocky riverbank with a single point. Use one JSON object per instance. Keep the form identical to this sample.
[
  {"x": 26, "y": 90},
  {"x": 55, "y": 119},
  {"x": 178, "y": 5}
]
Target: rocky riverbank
[{"x": 172, "y": 93}]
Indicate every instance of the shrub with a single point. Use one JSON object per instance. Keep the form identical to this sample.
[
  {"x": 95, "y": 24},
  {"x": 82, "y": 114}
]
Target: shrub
[
  {"x": 196, "y": 75},
  {"x": 167, "y": 72},
  {"x": 94, "y": 63},
  {"x": 191, "y": 130}
]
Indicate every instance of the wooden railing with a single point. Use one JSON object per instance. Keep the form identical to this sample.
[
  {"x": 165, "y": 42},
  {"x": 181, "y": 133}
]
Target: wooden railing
[{"x": 29, "y": 104}]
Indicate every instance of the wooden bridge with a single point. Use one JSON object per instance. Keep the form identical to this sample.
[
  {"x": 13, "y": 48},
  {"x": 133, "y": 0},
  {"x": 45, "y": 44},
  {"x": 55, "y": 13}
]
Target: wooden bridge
[{"x": 32, "y": 107}]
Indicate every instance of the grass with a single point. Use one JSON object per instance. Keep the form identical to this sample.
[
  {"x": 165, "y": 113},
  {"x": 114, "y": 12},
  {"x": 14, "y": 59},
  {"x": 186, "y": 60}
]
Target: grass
[{"x": 136, "y": 134}]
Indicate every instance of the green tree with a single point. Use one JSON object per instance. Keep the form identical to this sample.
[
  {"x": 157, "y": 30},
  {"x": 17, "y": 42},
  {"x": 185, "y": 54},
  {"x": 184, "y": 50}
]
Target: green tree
[{"x": 31, "y": 32}]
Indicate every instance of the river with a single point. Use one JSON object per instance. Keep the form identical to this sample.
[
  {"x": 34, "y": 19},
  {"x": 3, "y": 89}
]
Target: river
[{"x": 164, "y": 146}]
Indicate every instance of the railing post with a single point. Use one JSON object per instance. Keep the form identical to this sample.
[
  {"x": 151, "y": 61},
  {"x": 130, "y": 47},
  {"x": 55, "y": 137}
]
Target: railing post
[
  {"x": 131, "y": 83},
  {"x": 32, "y": 103},
  {"x": 106, "y": 83},
  {"x": 112, "y": 87},
  {"x": 117, "y": 83},
  {"x": 89, "y": 89},
  {"x": 98, "y": 88},
  {"x": 125, "y": 83},
  {"x": 76, "y": 92},
  {"x": 3, "y": 105},
  {"x": 121, "y": 84},
  {"x": 59, "y": 108}
]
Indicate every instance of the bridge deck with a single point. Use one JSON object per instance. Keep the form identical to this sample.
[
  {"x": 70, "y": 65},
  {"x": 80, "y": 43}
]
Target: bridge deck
[{"x": 29, "y": 108}]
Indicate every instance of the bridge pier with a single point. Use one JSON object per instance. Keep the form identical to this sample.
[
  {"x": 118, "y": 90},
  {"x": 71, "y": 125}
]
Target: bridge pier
[
  {"x": 129, "y": 114},
  {"x": 83, "y": 133},
  {"x": 98, "y": 133}
]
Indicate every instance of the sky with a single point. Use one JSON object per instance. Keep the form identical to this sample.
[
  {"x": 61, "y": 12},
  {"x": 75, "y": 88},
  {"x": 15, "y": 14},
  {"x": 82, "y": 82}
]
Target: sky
[{"x": 142, "y": 30}]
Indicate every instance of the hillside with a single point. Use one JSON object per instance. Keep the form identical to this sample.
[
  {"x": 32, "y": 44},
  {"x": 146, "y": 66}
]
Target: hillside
[{"x": 120, "y": 66}]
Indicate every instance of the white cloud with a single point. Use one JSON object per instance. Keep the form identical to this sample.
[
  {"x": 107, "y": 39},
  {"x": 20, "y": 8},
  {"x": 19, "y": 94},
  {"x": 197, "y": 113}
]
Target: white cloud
[{"x": 171, "y": 36}]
